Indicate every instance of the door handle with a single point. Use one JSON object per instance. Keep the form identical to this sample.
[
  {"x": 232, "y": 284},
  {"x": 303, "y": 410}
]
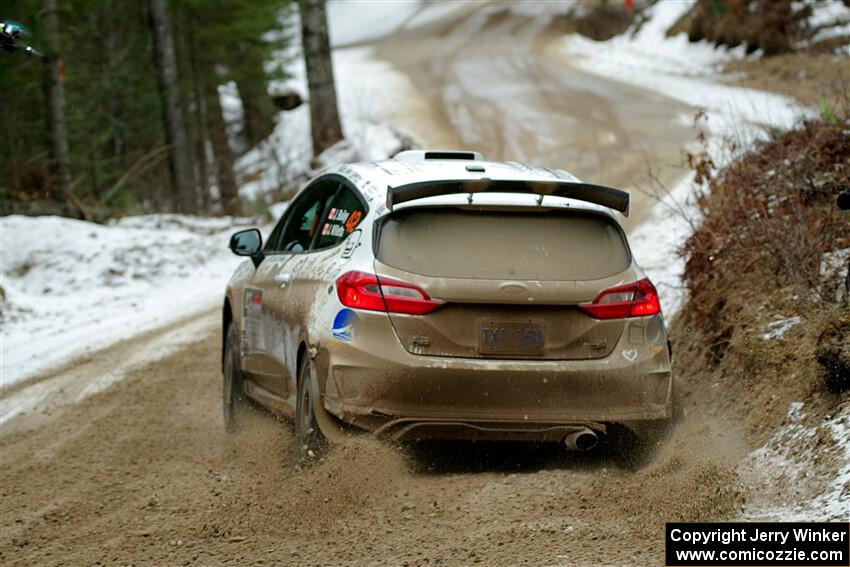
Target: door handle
[{"x": 283, "y": 279}]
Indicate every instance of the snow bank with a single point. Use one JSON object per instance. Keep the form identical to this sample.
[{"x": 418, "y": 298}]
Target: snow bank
[{"x": 73, "y": 286}]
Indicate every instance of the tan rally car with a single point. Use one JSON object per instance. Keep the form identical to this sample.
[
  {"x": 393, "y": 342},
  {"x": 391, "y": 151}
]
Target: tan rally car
[{"x": 438, "y": 295}]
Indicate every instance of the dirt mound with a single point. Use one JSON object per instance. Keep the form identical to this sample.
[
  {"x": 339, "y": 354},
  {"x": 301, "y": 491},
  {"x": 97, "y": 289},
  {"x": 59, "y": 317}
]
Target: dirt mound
[
  {"x": 773, "y": 26},
  {"x": 600, "y": 21},
  {"x": 764, "y": 330},
  {"x": 761, "y": 280}
]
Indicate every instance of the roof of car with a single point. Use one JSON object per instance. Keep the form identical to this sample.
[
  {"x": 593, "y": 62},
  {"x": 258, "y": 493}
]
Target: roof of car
[
  {"x": 401, "y": 172},
  {"x": 373, "y": 178}
]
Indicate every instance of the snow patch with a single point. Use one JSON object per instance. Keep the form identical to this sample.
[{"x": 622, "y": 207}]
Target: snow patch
[
  {"x": 73, "y": 286},
  {"x": 656, "y": 242},
  {"x": 802, "y": 473},
  {"x": 778, "y": 328},
  {"x": 356, "y": 22},
  {"x": 829, "y": 19}
]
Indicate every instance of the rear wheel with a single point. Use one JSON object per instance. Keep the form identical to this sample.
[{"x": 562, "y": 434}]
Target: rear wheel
[
  {"x": 233, "y": 397},
  {"x": 310, "y": 442}
]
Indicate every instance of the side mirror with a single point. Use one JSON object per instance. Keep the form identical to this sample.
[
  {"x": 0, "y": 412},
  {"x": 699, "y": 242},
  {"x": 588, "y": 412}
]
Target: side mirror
[
  {"x": 248, "y": 243},
  {"x": 844, "y": 200}
]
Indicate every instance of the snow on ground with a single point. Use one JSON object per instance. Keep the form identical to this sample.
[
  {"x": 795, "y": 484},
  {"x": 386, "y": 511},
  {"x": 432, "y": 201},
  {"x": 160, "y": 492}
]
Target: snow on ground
[
  {"x": 786, "y": 475},
  {"x": 72, "y": 286},
  {"x": 355, "y": 22}
]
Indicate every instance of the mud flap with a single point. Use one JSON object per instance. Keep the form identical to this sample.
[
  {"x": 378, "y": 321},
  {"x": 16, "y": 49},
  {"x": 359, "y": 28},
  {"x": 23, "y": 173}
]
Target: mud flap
[{"x": 328, "y": 425}]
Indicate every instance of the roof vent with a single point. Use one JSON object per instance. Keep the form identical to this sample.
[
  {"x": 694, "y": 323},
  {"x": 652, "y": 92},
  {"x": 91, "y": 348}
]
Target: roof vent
[{"x": 421, "y": 155}]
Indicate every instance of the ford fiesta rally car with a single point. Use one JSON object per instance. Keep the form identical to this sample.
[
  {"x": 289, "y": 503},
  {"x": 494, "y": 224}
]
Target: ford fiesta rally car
[{"x": 440, "y": 296}]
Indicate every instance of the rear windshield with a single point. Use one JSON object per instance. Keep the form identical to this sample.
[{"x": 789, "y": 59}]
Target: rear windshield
[{"x": 454, "y": 243}]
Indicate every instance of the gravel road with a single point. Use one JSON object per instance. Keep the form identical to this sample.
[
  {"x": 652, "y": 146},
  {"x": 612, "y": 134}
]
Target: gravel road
[{"x": 142, "y": 473}]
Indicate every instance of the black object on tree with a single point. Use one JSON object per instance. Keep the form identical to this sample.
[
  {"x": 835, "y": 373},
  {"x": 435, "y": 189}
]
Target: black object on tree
[
  {"x": 12, "y": 35},
  {"x": 844, "y": 200},
  {"x": 180, "y": 159},
  {"x": 324, "y": 117}
]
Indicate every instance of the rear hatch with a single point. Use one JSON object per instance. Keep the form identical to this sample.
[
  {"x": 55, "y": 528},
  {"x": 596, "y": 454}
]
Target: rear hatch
[{"x": 510, "y": 279}]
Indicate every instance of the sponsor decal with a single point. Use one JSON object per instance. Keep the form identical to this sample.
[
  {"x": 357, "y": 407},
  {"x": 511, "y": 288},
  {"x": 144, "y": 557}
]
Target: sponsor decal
[
  {"x": 333, "y": 230},
  {"x": 344, "y": 324},
  {"x": 252, "y": 301}
]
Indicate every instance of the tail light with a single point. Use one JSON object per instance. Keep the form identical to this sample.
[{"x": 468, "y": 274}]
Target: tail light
[
  {"x": 638, "y": 299},
  {"x": 361, "y": 290}
]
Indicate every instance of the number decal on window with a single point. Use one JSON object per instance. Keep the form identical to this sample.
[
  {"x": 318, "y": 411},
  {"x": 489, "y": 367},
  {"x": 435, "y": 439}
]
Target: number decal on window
[{"x": 352, "y": 221}]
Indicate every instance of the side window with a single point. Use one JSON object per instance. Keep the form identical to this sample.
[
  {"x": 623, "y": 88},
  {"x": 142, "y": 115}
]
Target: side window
[
  {"x": 301, "y": 220},
  {"x": 345, "y": 213},
  {"x": 274, "y": 237}
]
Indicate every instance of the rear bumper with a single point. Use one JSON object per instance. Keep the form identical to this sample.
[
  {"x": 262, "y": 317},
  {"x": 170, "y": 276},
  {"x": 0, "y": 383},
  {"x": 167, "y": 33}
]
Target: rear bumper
[{"x": 389, "y": 391}]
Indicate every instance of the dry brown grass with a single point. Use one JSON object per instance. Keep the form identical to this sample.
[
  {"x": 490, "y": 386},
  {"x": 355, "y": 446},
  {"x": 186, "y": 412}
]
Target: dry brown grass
[
  {"x": 770, "y": 221},
  {"x": 808, "y": 78}
]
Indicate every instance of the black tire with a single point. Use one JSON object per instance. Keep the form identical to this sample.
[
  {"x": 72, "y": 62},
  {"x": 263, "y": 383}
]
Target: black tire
[
  {"x": 234, "y": 401},
  {"x": 310, "y": 442}
]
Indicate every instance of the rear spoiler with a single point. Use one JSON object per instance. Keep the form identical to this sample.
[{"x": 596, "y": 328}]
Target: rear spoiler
[{"x": 597, "y": 194}]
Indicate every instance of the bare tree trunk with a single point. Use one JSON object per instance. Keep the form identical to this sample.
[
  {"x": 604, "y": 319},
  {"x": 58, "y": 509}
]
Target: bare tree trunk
[
  {"x": 200, "y": 121},
  {"x": 324, "y": 116},
  {"x": 54, "y": 93},
  {"x": 223, "y": 155},
  {"x": 180, "y": 159}
]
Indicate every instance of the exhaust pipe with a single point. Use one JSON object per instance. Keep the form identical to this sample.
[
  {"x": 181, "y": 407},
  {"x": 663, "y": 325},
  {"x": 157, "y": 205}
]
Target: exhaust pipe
[{"x": 581, "y": 440}]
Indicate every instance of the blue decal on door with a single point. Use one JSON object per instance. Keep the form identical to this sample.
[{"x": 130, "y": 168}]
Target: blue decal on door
[{"x": 344, "y": 324}]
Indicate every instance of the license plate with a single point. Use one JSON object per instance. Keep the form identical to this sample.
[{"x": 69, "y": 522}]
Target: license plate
[{"x": 510, "y": 337}]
